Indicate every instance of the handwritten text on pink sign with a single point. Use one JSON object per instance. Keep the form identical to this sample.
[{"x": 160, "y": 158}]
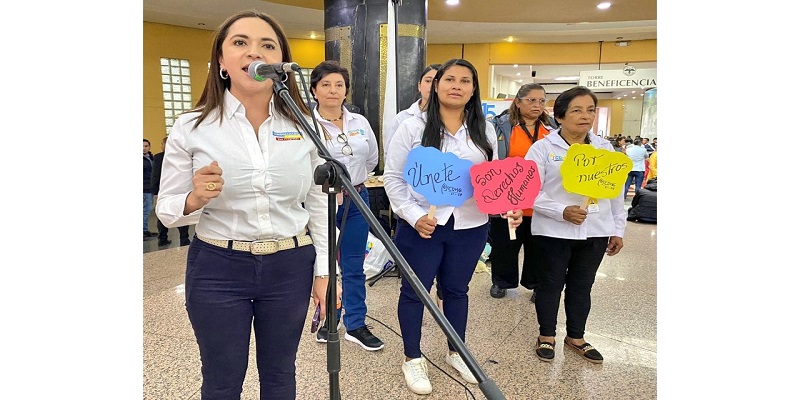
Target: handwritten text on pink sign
[{"x": 503, "y": 185}]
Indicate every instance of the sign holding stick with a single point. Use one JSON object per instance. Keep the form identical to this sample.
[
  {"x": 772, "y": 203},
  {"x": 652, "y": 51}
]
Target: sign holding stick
[
  {"x": 504, "y": 185},
  {"x": 442, "y": 178},
  {"x": 594, "y": 173}
]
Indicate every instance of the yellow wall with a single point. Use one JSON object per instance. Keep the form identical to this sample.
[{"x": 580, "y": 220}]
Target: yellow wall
[
  {"x": 194, "y": 45},
  {"x": 615, "y": 110},
  {"x": 439, "y": 53},
  {"x": 174, "y": 42}
]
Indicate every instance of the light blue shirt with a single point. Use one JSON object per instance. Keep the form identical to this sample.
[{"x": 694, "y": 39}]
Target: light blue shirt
[{"x": 637, "y": 154}]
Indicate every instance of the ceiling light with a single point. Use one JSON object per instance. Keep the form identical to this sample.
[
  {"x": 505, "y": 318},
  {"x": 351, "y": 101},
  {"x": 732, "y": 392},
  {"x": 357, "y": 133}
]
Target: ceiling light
[
  {"x": 510, "y": 39},
  {"x": 604, "y": 6},
  {"x": 452, "y": 2},
  {"x": 313, "y": 36},
  {"x": 516, "y": 65},
  {"x": 566, "y": 78},
  {"x": 519, "y": 73}
]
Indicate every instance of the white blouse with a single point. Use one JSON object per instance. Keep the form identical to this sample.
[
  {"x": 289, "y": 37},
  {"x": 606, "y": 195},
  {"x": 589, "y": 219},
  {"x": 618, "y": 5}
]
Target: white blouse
[
  {"x": 268, "y": 190},
  {"x": 548, "y": 208},
  {"x": 410, "y": 205},
  {"x": 361, "y": 139},
  {"x": 391, "y": 128}
]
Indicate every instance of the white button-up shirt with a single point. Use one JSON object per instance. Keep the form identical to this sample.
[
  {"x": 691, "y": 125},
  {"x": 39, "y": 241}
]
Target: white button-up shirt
[
  {"x": 410, "y": 205},
  {"x": 266, "y": 178},
  {"x": 391, "y": 128},
  {"x": 548, "y": 208},
  {"x": 361, "y": 139}
]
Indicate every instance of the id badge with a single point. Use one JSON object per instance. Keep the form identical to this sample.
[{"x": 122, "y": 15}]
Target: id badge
[{"x": 593, "y": 207}]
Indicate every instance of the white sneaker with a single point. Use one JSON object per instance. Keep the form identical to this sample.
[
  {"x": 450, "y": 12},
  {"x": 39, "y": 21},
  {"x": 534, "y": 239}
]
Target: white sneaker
[
  {"x": 455, "y": 361},
  {"x": 416, "y": 374}
]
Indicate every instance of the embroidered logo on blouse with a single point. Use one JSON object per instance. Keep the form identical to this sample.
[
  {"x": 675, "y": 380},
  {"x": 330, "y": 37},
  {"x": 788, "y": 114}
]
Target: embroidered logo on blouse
[
  {"x": 281, "y": 136},
  {"x": 554, "y": 157},
  {"x": 356, "y": 132}
]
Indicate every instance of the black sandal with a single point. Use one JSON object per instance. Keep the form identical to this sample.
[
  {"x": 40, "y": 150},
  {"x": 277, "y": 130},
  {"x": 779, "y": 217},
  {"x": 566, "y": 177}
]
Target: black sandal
[
  {"x": 545, "y": 351},
  {"x": 586, "y": 351}
]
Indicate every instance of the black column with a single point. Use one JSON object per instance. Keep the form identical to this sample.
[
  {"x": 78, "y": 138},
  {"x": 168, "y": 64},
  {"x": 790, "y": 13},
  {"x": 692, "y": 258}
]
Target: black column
[{"x": 355, "y": 36}]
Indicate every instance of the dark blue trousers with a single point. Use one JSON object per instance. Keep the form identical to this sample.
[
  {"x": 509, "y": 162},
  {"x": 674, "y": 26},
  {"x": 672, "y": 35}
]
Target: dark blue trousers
[
  {"x": 351, "y": 261},
  {"x": 569, "y": 263},
  {"x": 450, "y": 254},
  {"x": 230, "y": 292}
]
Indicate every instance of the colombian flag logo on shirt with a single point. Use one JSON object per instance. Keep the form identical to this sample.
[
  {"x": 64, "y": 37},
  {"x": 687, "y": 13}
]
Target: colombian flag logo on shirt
[{"x": 281, "y": 136}]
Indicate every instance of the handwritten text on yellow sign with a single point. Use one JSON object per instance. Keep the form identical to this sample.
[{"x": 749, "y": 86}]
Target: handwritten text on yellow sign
[{"x": 594, "y": 172}]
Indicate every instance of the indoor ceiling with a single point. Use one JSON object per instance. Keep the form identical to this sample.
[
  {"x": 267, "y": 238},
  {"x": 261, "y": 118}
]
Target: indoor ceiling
[{"x": 472, "y": 21}]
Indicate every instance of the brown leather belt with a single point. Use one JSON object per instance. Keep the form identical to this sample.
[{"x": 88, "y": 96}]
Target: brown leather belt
[{"x": 262, "y": 247}]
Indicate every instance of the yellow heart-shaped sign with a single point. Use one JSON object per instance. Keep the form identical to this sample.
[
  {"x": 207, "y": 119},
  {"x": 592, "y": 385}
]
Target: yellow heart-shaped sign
[{"x": 593, "y": 172}]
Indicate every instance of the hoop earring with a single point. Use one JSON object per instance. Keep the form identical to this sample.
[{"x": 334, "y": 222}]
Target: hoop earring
[{"x": 221, "y": 71}]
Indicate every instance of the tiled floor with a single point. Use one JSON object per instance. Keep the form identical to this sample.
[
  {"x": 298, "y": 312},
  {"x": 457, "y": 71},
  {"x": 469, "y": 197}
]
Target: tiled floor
[{"x": 500, "y": 336}]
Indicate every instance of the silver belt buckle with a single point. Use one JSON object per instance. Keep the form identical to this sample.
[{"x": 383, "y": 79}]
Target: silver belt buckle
[{"x": 253, "y": 244}]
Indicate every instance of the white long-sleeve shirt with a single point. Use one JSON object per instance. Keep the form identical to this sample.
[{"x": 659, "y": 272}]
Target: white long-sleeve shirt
[
  {"x": 391, "y": 128},
  {"x": 361, "y": 139},
  {"x": 266, "y": 178},
  {"x": 548, "y": 208},
  {"x": 410, "y": 205}
]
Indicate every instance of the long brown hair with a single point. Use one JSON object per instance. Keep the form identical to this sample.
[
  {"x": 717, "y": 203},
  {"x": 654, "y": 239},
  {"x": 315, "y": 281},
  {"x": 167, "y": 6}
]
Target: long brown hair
[
  {"x": 473, "y": 113},
  {"x": 214, "y": 92}
]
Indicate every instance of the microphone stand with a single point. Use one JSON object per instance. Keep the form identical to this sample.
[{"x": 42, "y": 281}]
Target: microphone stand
[{"x": 332, "y": 176}]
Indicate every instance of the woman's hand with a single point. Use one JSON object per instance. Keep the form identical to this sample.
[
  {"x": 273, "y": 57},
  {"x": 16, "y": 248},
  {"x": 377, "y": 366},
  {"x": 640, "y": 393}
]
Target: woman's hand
[
  {"x": 614, "y": 245},
  {"x": 425, "y": 226},
  {"x": 514, "y": 218},
  {"x": 318, "y": 294},
  {"x": 575, "y": 214},
  {"x": 207, "y": 184}
]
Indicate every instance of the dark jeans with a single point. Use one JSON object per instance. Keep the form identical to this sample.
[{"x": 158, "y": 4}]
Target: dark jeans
[
  {"x": 570, "y": 263},
  {"x": 228, "y": 292},
  {"x": 351, "y": 261},
  {"x": 451, "y": 256},
  {"x": 505, "y": 254},
  {"x": 635, "y": 177}
]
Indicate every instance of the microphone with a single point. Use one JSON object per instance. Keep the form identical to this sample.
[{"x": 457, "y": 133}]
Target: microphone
[{"x": 262, "y": 71}]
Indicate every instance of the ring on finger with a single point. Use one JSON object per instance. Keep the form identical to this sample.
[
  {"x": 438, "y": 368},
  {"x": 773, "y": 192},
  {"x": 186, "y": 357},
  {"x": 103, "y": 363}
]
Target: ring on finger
[{"x": 211, "y": 186}]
